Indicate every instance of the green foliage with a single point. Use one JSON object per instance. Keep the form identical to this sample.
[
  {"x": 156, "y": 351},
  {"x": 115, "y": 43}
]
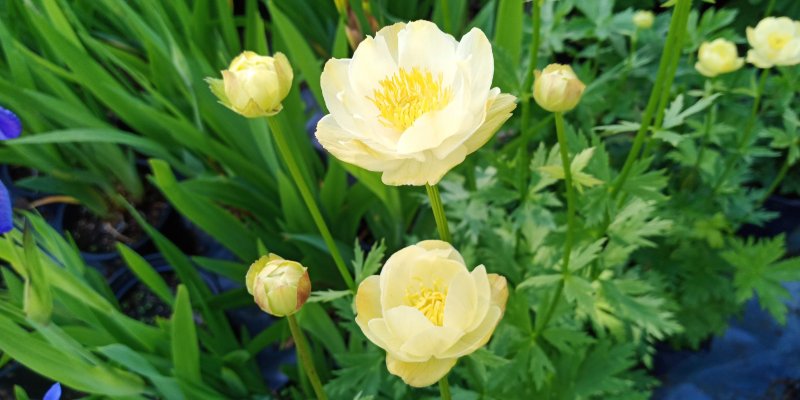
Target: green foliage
[{"x": 656, "y": 255}]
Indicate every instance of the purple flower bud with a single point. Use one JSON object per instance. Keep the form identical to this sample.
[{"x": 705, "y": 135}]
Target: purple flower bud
[{"x": 6, "y": 215}]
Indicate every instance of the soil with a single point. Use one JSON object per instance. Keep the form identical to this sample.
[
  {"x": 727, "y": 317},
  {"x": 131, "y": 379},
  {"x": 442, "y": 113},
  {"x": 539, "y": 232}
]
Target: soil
[
  {"x": 142, "y": 304},
  {"x": 94, "y": 234}
]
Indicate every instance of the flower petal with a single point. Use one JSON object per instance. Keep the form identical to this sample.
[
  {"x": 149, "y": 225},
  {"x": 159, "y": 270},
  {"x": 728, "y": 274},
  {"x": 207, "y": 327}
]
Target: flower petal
[
  {"x": 404, "y": 322},
  {"x": 423, "y": 45},
  {"x": 431, "y": 171},
  {"x": 368, "y": 299},
  {"x": 462, "y": 296},
  {"x": 442, "y": 249},
  {"x": 499, "y": 111},
  {"x": 420, "y": 374},
  {"x": 483, "y": 296},
  {"x": 430, "y": 342},
  {"x": 478, "y": 337}
]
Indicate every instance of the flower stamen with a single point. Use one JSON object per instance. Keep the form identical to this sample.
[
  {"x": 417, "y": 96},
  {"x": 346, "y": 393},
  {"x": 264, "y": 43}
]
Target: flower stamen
[
  {"x": 407, "y": 95},
  {"x": 429, "y": 301}
]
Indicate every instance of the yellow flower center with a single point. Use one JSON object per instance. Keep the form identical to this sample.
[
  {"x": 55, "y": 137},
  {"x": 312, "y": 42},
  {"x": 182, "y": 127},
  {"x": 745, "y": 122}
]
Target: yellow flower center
[
  {"x": 778, "y": 40},
  {"x": 430, "y": 301},
  {"x": 407, "y": 95}
]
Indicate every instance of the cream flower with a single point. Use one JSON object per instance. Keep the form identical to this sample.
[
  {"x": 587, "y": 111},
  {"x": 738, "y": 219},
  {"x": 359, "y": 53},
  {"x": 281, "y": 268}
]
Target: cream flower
[
  {"x": 557, "y": 88},
  {"x": 412, "y": 103},
  {"x": 643, "y": 19},
  {"x": 774, "y": 41},
  {"x": 254, "y": 85},
  {"x": 279, "y": 287},
  {"x": 427, "y": 310},
  {"x": 718, "y": 57}
]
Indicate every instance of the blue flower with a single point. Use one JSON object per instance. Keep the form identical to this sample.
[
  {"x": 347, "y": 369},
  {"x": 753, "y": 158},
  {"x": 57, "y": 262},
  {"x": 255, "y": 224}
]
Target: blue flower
[
  {"x": 54, "y": 393},
  {"x": 6, "y": 215},
  {"x": 10, "y": 126}
]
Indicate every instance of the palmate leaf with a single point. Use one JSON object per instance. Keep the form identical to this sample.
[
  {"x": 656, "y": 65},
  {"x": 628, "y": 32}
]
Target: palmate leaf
[
  {"x": 580, "y": 179},
  {"x": 369, "y": 265},
  {"x": 760, "y": 270}
]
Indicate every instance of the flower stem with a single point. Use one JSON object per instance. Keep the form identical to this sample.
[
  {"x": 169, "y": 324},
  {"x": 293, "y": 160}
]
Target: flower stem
[
  {"x": 536, "y": 22},
  {"x": 438, "y": 212},
  {"x": 304, "y": 355},
  {"x": 775, "y": 182},
  {"x": 570, "y": 194},
  {"x": 305, "y": 192},
  {"x": 565, "y": 162},
  {"x": 681, "y": 12},
  {"x": 748, "y": 131},
  {"x": 675, "y": 58},
  {"x": 444, "y": 388}
]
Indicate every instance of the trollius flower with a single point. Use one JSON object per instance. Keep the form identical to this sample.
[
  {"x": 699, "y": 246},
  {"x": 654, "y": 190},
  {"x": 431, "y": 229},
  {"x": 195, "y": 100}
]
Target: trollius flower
[
  {"x": 427, "y": 310},
  {"x": 412, "y": 103},
  {"x": 774, "y": 41},
  {"x": 718, "y": 57}
]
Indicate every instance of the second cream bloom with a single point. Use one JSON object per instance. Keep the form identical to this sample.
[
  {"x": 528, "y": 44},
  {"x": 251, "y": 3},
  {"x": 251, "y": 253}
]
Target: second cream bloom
[
  {"x": 427, "y": 310},
  {"x": 717, "y": 57},
  {"x": 412, "y": 103}
]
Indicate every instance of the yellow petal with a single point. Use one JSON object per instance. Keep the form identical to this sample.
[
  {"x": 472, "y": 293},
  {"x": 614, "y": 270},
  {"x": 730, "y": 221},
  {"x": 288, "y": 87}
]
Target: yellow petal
[
  {"x": 404, "y": 322},
  {"x": 420, "y": 374},
  {"x": 368, "y": 299},
  {"x": 483, "y": 296},
  {"x": 442, "y": 249},
  {"x": 499, "y": 111},
  {"x": 499, "y": 290},
  {"x": 459, "y": 307},
  {"x": 429, "y": 343},
  {"x": 477, "y": 338}
]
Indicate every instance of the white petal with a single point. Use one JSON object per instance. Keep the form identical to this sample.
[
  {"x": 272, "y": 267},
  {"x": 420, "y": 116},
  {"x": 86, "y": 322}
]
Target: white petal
[
  {"x": 372, "y": 62},
  {"x": 414, "y": 172},
  {"x": 499, "y": 111},
  {"x": 421, "y": 44}
]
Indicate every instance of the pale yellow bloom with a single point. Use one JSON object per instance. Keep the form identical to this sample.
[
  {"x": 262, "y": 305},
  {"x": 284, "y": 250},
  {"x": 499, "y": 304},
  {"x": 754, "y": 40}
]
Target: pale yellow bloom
[
  {"x": 643, "y": 19},
  {"x": 412, "y": 103},
  {"x": 280, "y": 287},
  {"x": 557, "y": 88},
  {"x": 427, "y": 310},
  {"x": 718, "y": 57},
  {"x": 774, "y": 41},
  {"x": 254, "y": 85}
]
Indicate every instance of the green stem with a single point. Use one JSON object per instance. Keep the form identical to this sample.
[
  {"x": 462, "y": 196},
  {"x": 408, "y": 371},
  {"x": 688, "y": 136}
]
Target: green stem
[
  {"x": 304, "y": 355},
  {"x": 305, "y": 192},
  {"x": 438, "y": 212},
  {"x": 746, "y": 135},
  {"x": 777, "y": 181},
  {"x": 670, "y": 76},
  {"x": 570, "y": 192},
  {"x": 536, "y": 22},
  {"x": 663, "y": 68},
  {"x": 709, "y": 123},
  {"x": 444, "y": 388},
  {"x": 446, "y": 14},
  {"x": 770, "y": 6}
]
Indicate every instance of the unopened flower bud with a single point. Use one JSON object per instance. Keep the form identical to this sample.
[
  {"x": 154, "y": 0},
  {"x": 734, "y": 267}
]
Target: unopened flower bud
[
  {"x": 254, "y": 85},
  {"x": 643, "y": 19},
  {"x": 280, "y": 287},
  {"x": 557, "y": 88}
]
